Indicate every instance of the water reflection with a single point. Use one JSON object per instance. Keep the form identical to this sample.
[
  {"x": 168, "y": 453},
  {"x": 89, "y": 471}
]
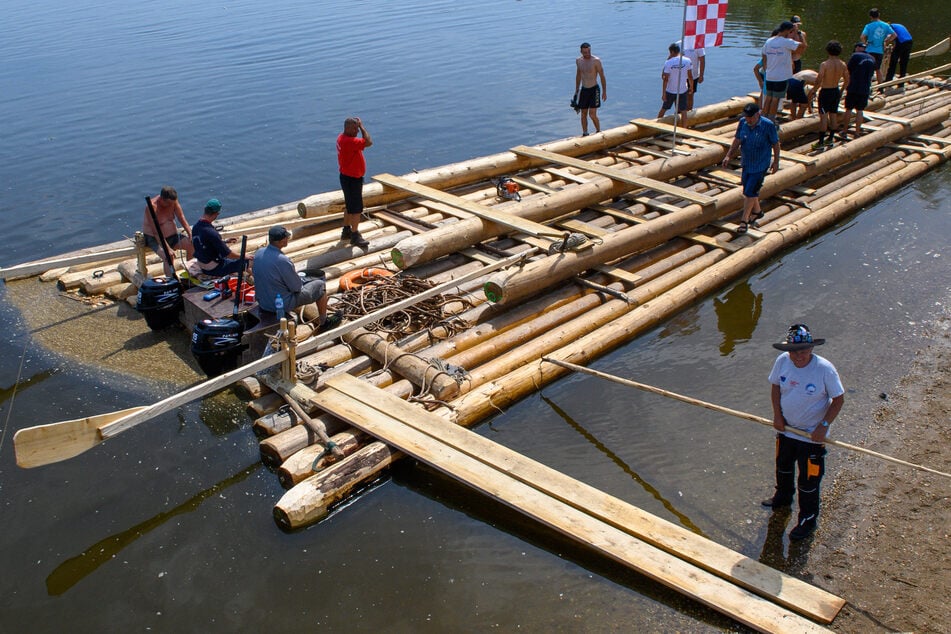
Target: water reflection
[
  {"x": 737, "y": 315},
  {"x": 686, "y": 521},
  {"x": 19, "y": 386},
  {"x": 75, "y": 569}
]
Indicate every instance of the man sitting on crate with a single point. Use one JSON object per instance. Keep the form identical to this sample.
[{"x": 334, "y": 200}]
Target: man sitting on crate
[
  {"x": 274, "y": 275},
  {"x": 214, "y": 256}
]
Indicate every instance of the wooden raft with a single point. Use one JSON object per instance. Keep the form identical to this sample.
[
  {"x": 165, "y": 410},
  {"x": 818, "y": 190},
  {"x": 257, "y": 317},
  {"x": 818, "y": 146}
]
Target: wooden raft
[{"x": 746, "y": 590}]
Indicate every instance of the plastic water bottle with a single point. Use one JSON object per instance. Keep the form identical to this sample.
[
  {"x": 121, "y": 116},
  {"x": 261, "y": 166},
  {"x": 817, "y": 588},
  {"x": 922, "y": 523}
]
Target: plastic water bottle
[{"x": 279, "y": 307}]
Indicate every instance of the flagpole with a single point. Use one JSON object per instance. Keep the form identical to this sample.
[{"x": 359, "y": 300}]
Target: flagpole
[{"x": 680, "y": 70}]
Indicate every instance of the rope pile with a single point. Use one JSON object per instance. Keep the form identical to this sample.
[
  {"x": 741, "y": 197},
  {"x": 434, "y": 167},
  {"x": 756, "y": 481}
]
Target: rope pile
[{"x": 426, "y": 315}]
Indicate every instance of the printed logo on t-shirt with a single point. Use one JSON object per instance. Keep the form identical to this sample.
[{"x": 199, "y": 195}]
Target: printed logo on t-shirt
[{"x": 810, "y": 388}]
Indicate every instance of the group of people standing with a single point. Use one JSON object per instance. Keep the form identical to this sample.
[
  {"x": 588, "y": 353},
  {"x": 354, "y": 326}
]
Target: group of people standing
[{"x": 274, "y": 273}]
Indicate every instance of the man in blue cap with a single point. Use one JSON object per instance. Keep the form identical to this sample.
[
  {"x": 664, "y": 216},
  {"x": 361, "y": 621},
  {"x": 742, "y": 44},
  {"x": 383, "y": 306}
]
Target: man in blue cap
[
  {"x": 214, "y": 255},
  {"x": 807, "y": 395}
]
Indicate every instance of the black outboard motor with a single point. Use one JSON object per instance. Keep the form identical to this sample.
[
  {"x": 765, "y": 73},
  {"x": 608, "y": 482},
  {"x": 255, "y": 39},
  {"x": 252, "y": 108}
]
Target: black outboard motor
[
  {"x": 216, "y": 344},
  {"x": 160, "y": 301}
]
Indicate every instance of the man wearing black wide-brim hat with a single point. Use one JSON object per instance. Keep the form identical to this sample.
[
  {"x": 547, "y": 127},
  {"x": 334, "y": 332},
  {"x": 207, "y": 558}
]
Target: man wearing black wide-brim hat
[{"x": 807, "y": 395}]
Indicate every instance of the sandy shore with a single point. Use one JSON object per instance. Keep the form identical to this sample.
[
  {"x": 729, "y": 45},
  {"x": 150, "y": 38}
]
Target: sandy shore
[{"x": 883, "y": 542}]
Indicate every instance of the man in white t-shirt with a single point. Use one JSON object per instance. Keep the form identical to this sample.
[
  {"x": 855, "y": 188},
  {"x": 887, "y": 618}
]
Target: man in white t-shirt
[
  {"x": 698, "y": 64},
  {"x": 778, "y": 64},
  {"x": 807, "y": 395},
  {"x": 677, "y": 82}
]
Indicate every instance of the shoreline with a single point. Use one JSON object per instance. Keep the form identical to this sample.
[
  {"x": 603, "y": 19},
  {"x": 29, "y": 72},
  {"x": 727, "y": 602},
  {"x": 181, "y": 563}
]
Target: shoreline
[{"x": 884, "y": 531}]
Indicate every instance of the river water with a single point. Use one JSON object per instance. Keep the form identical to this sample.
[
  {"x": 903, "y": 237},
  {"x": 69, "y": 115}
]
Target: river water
[{"x": 167, "y": 528}]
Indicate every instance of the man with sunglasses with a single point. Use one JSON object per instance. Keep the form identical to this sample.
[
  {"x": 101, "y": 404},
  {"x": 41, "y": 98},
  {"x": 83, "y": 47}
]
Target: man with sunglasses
[{"x": 807, "y": 395}]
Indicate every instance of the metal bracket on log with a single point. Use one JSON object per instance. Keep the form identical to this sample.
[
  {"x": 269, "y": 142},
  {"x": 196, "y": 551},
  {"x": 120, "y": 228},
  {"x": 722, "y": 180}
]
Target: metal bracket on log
[{"x": 624, "y": 297}]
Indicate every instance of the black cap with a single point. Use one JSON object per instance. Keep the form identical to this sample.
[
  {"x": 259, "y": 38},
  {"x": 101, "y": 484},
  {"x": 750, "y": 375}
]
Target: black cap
[
  {"x": 277, "y": 233},
  {"x": 750, "y": 109}
]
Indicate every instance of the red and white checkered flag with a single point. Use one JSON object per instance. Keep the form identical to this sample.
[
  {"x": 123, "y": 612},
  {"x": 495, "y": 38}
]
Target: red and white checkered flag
[{"x": 703, "y": 24}]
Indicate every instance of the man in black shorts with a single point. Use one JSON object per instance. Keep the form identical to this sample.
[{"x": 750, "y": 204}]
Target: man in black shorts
[
  {"x": 832, "y": 73},
  {"x": 588, "y": 95}
]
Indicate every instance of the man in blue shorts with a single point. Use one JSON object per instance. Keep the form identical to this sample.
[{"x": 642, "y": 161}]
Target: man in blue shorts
[
  {"x": 588, "y": 94},
  {"x": 759, "y": 139}
]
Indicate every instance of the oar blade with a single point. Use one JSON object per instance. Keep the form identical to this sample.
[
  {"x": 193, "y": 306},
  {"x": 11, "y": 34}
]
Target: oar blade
[{"x": 46, "y": 444}]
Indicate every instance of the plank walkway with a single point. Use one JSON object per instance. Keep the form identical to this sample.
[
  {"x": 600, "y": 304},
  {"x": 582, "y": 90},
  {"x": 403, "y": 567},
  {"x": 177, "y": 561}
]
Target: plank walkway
[{"x": 729, "y": 582}]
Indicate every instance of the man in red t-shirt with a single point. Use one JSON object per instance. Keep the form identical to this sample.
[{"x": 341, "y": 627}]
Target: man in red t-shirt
[{"x": 352, "y": 168}]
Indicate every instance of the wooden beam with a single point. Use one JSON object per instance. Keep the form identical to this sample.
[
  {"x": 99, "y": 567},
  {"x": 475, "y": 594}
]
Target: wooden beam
[
  {"x": 583, "y": 227},
  {"x": 616, "y": 174},
  {"x": 530, "y": 184},
  {"x": 931, "y": 139},
  {"x": 916, "y": 148},
  {"x": 709, "y": 241},
  {"x": 731, "y": 227},
  {"x": 499, "y": 217},
  {"x": 621, "y": 274},
  {"x": 875, "y": 116},
  {"x": 565, "y": 174},
  {"x": 669, "y": 554},
  {"x": 712, "y": 138}
]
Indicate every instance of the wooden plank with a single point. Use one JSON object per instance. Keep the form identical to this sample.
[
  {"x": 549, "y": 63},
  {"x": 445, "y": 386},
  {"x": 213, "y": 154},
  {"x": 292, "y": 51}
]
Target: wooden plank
[
  {"x": 655, "y": 204},
  {"x": 583, "y": 227},
  {"x": 615, "y": 174},
  {"x": 931, "y": 139},
  {"x": 620, "y": 214},
  {"x": 411, "y": 432},
  {"x": 566, "y": 175},
  {"x": 530, "y": 184},
  {"x": 876, "y": 116},
  {"x": 499, "y": 217},
  {"x": 712, "y": 138},
  {"x": 621, "y": 274},
  {"x": 916, "y": 148},
  {"x": 32, "y": 268},
  {"x": 567, "y": 496},
  {"x": 709, "y": 241},
  {"x": 732, "y": 227}
]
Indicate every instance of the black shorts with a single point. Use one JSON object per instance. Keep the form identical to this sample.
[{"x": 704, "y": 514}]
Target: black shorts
[
  {"x": 796, "y": 92},
  {"x": 878, "y": 59},
  {"x": 856, "y": 101},
  {"x": 352, "y": 193},
  {"x": 681, "y": 99},
  {"x": 590, "y": 97},
  {"x": 829, "y": 100}
]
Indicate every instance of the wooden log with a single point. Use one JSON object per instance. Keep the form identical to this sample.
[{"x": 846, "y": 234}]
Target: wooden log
[
  {"x": 265, "y": 404},
  {"x": 517, "y": 284},
  {"x": 315, "y": 458},
  {"x": 421, "y": 373},
  {"x": 336, "y": 483},
  {"x": 249, "y": 388},
  {"x": 489, "y": 167}
]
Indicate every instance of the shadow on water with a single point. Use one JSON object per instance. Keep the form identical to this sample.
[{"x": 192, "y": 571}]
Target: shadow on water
[
  {"x": 8, "y": 392},
  {"x": 74, "y": 570},
  {"x": 737, "y": 315},
  {"x": 613, "y": 457},
  {"x": 448, "y": 492}
]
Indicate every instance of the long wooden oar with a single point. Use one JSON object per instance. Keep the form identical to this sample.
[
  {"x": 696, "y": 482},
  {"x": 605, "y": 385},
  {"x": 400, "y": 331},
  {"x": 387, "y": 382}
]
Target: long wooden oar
[
  {"x": 66, "y": 439},
  {"x": 733, "y": 412}
]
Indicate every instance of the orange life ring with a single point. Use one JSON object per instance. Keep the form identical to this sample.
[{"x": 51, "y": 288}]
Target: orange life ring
[{"x": 349, "y": 281}]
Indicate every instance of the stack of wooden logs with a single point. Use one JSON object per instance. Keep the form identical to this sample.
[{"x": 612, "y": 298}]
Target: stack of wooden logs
[{"x": 651, "y": 256}]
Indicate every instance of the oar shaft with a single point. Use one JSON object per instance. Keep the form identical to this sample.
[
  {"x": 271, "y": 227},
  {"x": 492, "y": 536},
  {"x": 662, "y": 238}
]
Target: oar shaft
[{"x": 738, "y": 414}]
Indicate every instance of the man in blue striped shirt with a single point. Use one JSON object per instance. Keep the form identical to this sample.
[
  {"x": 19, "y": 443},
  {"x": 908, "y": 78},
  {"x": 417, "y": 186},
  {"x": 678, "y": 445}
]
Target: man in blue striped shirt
[{"x": 759, "y": 139}]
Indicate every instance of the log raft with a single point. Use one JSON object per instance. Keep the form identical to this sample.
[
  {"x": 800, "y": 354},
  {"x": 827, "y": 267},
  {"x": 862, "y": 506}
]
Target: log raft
[{"x": 644, "y": 232}]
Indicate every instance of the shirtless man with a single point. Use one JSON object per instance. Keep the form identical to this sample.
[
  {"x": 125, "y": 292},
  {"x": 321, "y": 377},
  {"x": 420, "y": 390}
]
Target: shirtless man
[
  {"x": 833, "y": 77},
  {"x": 167, "y": 211},
  {"x": 588, "y": 94}
]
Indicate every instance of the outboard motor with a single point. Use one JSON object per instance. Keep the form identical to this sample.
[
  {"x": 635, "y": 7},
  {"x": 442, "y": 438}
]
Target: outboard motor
[
  {"x": 160, "y": 301},
  {"x": 216, "y": 344}
]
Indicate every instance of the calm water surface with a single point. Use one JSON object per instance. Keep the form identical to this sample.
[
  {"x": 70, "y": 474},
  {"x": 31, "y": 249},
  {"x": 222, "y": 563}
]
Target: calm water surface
[{"x": 168, "y": 527}]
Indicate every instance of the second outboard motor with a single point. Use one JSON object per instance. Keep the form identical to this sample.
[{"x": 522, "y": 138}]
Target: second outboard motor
[{"x": 216, "y": 344}]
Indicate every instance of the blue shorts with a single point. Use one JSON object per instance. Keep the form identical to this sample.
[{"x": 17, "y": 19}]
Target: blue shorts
[{"x": 752, "y": 182}]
